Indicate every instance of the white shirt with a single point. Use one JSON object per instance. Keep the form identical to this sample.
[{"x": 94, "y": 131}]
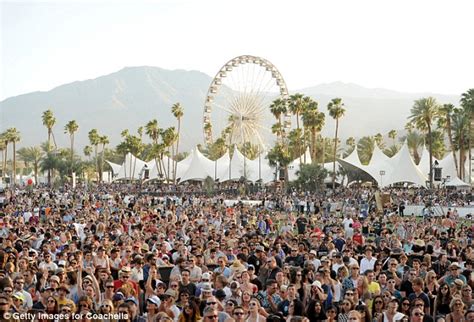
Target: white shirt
[{"x": 366, "y": 264}]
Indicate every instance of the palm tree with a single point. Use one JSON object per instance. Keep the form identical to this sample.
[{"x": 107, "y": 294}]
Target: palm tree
[
  {"x": 423, "y": 113},
  {"x": 278, "y": 108},
  {"x": 178, "y": 112},
  {"x": 392, "y": 135},
  {"x": 153, "y": 131},
  {"x": 336, "y": 111},
  {"x": 71, "y": 128},
  {"x": 94, "y": 139},
  {"x": 314, "y": 121},
  {"x": 460, "y": 128},
  {"x": 3, "y": 149},
  {"x": 33, "y": 155},
  {"x": 297, "y": 104},
  {"x": 379, "y": 140},
  {"x": 12, "y": 135},
  {"x": 444, "y": 122},
  {"x": 467, "y": 103},
  {"x": 169, "y": 137},
  {"x": 414, "y": 141},
  {"x": 48, "y": 121},
  {"x": 350, "y": 142},
  {"x": 87, "y": 151},
  {"x": 104, "y": 140},
  {"x": 365, "y": 148}
]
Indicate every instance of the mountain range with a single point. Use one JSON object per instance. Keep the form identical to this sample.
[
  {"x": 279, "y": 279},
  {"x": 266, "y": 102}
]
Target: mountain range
[{"x": 132, "y": 96}]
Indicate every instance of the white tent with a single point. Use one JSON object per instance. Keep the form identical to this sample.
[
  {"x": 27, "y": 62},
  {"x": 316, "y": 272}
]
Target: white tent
[
  {"x": 199, "y": 169},
  {"x": 353, "y": 158},
  {"x": 130, "y": 168},
  {"x": 237, "y": 167},
  {"x": 156, "y": 168},
  {"x": 456, "y": 182},
  {"x": 115, "y": 167},
  {"x": 221, "y": 164},
  {"x": 379, "y": 162},
  {"x": 404, "y": 169},
  {"x": 424, "y": 164},
  {"x": 294, "y": 166}
]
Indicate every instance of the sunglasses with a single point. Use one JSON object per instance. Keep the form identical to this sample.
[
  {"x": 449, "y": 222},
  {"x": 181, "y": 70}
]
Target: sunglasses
[
  {"x": 239, "y": 313},
  {"x": 418, "y": 314},
  {"x": 211, "y": 303}
]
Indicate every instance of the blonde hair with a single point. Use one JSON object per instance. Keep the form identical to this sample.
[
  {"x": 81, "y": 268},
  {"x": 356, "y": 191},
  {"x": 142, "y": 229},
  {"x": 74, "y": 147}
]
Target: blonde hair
[{"x": 453, "y": 302}]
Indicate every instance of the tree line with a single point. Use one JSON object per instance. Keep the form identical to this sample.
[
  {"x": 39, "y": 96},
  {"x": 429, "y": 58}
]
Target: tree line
[{"x": 441, "y": 127}]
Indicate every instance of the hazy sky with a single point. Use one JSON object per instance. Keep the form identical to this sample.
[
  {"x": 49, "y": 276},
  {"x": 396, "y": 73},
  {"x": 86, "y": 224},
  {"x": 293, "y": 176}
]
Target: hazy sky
[{"x": 416, "y": 46}]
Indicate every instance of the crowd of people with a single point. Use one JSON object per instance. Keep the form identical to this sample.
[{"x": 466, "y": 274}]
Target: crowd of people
[{"x": 110, "y": 253}]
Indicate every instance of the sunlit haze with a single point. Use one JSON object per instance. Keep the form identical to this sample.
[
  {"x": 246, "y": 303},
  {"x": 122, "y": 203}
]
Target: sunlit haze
[{"x": 414, "y": 46}]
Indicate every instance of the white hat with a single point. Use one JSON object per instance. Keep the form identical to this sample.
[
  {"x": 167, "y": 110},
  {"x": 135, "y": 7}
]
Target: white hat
[
  {"x": 155, "y": 300},
  {"x": 317, "y": 283}
]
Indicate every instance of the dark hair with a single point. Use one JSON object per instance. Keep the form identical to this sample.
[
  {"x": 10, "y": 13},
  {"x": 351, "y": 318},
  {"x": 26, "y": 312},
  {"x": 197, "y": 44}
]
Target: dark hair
[
  {"x": 311, "y": 310},
  {"x": 298, "y": 307},
  {"x": 270, "y": 282}
]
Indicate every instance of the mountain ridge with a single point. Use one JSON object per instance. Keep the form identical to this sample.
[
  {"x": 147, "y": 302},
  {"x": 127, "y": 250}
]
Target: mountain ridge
[{"x": 132, "y": 96}]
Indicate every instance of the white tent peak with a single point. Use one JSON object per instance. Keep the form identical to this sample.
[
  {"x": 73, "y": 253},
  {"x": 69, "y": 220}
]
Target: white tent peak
[
  {"x": 353, "y": 158},
  {"x": 405, "y": 169}
]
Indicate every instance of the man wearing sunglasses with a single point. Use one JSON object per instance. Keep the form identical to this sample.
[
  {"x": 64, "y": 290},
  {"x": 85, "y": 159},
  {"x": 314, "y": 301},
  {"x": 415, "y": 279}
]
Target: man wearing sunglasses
[
  {"x": 214, "y": 304},
  {"x": 238, "y": 314}
]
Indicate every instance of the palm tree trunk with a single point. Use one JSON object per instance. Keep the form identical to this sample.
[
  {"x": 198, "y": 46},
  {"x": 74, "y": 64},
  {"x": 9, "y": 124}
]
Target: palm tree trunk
[
  {"x": 451, "y": 144},
  {"x": 5, "y": 155},
  {"x": 97, "y": 163},
  {"x": 177, "y": 148},
  {"x": 102, "y": 163},
  {"x": 14, "y": 163},
  {"x": 334, "y": 161},
  {"x": 72, "y": 153},
  {"x": 431, "y": 156},
  {"x": 168, "y": 175},
  {"x": 36, "y": 172},
  {"x": 298, "y": 147},
  {"x": 469, "y": 152},
  {"x": 49, "y": 149},
  {"x": 313, "y": 145},
  {"x": 324, "y": 150},
  {"x": 461, "y": 157},
  {"x": 134, "y": 167},
  {"x": 163, "y": 167}
]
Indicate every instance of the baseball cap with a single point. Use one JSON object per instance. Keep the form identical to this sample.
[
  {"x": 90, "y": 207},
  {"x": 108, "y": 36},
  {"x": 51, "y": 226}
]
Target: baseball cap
[{"x": 154, "y": 299}]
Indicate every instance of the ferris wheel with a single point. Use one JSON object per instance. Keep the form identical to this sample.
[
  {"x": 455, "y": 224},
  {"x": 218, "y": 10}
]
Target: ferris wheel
[{"x": 238, "y": 101}]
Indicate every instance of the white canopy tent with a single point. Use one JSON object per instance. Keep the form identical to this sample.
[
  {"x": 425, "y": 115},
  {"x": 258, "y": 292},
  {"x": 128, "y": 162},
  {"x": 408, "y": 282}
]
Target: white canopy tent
[
  {"x": 199, "y": 168},
  {"x": 294, "y": 166},
  {"x": 379, "y": 163},
  {"x": 130, "y": 169},
  {"x": 239, "y": 166},
  {"x": 404, "y": 169},
  {"x": 115, "y": 167},
  {"x": 157, "y": 167}
]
